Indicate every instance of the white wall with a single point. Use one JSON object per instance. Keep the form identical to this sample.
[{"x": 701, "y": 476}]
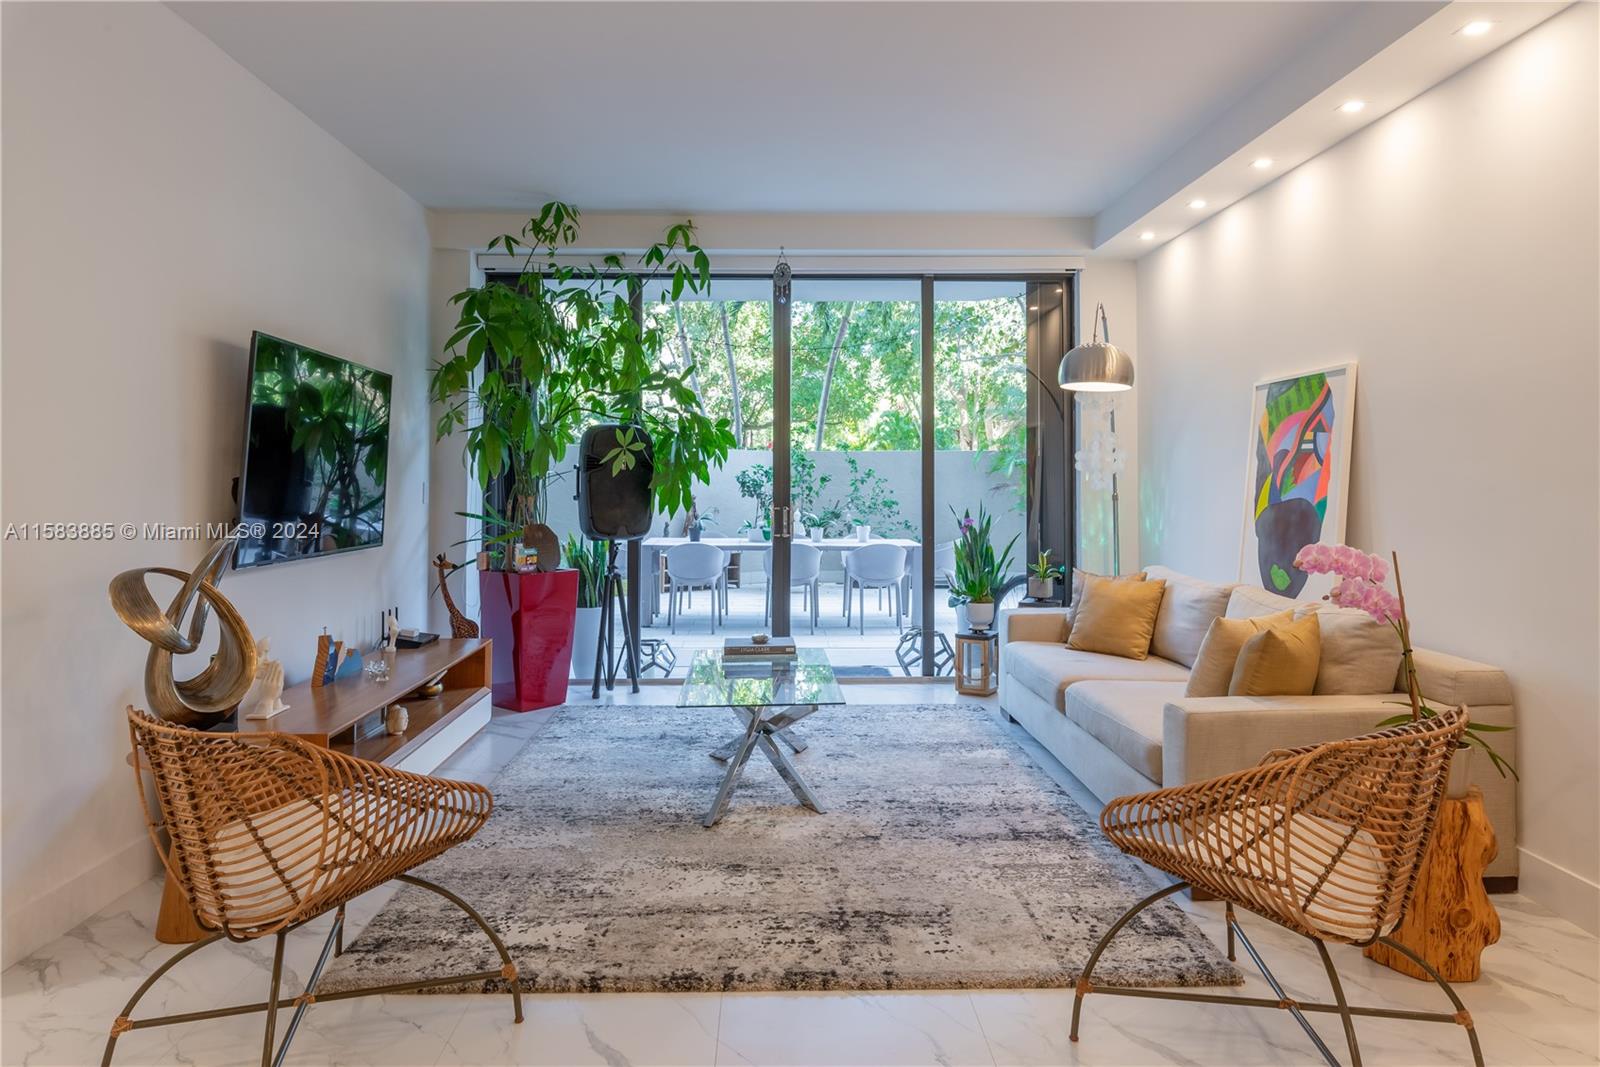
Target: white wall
[
  {"x": 1451, "y": 248},
  {"x": 160, "y": 203}
]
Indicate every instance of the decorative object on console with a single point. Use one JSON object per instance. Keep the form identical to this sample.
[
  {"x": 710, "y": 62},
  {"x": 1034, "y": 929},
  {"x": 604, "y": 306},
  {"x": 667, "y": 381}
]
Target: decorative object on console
[
  {"x": 326, "y": 657},
  {"x": 460, "y": 625},
  {"x": 1298, "y": 473},
  {"x": 212, "y": 695},
  {"x": 349, "y": 665},
  {"x": 1102, "y": 367},
  {"x": 264, "y": 700},
  {"x": 395, "y": 720},
  {"x": 1322, "y": 840},
  {"x": 414, "y": 639}
]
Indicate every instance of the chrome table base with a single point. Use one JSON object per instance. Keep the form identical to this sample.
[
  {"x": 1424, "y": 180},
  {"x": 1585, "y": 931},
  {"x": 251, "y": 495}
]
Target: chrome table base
[{"x": 765, "y": 727}]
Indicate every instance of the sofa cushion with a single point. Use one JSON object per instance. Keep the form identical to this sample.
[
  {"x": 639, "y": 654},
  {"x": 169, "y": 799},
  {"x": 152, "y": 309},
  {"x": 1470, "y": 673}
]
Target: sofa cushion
[
  {"x": 1126, "y": 718},
  {"x": 1048, "y": 669},
  {"x": 1250, "y": 601},
  {"x": 1280, "y": 661},
  {"x": 1359, "y": 654},
  {"x": 1187, "y": 608},
  {"x": 1117, "y": 617}
]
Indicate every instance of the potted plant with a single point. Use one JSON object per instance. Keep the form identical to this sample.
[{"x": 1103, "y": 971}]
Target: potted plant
[
  {"x": 1042, "y": 575},
  {"x": 588, "y": 558},
  {"x": 979, "y": 572},
  {"x": 756, "y": 484},
  {"x": 531, "y": 363},
  {"x": 1360, "y": 584}
]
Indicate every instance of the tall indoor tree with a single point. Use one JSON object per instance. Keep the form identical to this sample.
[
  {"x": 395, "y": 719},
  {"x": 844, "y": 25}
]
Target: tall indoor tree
[{"x": 535, "y": 360}]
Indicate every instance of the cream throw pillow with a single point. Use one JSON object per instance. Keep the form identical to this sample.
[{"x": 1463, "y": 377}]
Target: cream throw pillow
[
  {"x": 1280, "y": 661},
  {"x": 1213, "y": 666},
  {"x": 1079, "y": 577},
  {"x": 1117, "y": 616},
  {"x": 1187, "y": 611},
  {"x": 1360, "y": 656}
]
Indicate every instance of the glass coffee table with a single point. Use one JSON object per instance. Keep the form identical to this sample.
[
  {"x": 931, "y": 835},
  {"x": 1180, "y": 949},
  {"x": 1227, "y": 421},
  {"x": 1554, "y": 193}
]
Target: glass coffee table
[{"x": 769, "y": 696}]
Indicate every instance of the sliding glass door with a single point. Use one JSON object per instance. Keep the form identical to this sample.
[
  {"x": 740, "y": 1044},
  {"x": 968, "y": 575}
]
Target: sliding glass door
[{"x": 871, "y": 414}]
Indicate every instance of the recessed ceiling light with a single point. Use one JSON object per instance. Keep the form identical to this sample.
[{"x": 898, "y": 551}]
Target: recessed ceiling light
[
  {"x": 1350, "y": 107},
  {"x": 1476, "y": 28},
  {"x": 1197, "y": 203},
  {"x": 1148, "y": 235},
  {"x": 1262, "y": 162}
]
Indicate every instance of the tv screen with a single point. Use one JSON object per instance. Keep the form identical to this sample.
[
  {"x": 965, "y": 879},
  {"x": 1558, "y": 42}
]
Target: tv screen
[{"x": 316, "y": 455}]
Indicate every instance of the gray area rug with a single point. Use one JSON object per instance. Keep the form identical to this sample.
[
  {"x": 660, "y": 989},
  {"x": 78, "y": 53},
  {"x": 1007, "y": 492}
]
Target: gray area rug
[{"x": 946, "y": 860}]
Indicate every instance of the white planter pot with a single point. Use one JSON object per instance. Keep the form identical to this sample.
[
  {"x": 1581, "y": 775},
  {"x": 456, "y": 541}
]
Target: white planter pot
[
  {"x": 754, "y": 534},
  {"x": 1460, "y": 774},
  {"x": 863, "y": 533},
  {"x": 980, "y": 616},
  {"x": 585, "y": 639}
]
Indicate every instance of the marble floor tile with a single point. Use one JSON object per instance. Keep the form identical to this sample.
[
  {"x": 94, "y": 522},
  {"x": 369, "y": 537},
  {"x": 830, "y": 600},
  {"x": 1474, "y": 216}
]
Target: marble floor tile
[
  {"x": 609, "y": 1029},
  {"x": 837, "y": 1029}
]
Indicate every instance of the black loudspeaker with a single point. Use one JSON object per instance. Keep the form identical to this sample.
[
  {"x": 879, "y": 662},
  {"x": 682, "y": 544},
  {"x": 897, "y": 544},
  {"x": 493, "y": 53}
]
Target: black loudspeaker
[{"x": 614, "y": 507}]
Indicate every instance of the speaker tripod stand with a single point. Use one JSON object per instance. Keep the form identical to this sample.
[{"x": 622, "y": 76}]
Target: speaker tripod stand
[{"x": 606, "y": 661}]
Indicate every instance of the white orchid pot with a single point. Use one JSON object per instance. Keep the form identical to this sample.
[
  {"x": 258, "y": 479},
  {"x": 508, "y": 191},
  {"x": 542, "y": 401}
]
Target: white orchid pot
[
  {"x": 585, "y": 640},
  {"x": 1460, "y": 774},
  {"x": 980, "y": 616},
  {"x": 754, "y": 534}
]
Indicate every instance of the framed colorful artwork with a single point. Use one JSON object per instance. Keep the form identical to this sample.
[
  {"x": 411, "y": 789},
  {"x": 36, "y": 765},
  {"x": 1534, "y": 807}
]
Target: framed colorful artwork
[{"x": 1298, "y": 474}]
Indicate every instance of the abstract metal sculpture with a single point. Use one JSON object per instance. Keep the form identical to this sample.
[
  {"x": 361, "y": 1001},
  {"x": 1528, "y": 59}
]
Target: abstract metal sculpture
[{"x": 211, "y": 695}]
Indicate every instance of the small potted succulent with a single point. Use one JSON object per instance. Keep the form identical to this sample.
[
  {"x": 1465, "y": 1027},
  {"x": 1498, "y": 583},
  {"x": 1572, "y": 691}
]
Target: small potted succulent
[
  {"x": 979, "y": 572},
  {"x": 1360, "y": 583},
  {"x": 1042, "y": 575}
]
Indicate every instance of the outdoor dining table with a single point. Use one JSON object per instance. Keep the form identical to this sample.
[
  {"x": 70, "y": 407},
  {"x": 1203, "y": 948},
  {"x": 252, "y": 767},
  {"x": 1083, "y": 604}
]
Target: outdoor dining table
[{"x": 655, "y": 549}]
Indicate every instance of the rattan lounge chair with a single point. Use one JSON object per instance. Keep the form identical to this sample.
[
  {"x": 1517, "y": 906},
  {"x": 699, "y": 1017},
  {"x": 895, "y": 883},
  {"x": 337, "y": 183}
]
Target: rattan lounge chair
[
  {"x": 1325, "y": 841},
  {"x": 267, "y": 835}
]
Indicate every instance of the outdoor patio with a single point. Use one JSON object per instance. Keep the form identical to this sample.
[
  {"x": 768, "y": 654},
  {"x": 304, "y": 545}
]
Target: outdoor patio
[{"x": 847, "y": 646}]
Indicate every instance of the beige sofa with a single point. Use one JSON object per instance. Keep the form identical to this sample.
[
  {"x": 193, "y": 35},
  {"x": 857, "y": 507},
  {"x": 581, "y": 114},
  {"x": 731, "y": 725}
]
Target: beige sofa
[{"x": 1124, "y": 726}]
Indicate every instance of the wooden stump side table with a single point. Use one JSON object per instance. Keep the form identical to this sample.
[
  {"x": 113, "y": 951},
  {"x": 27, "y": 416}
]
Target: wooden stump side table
[
  {"x": 1450, "y": 921},
  {"x": 977, "y": 663}
]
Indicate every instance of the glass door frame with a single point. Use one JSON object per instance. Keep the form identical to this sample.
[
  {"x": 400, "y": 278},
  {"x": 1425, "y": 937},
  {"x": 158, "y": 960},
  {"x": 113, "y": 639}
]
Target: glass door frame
[{"x": 1049, "y": 522}]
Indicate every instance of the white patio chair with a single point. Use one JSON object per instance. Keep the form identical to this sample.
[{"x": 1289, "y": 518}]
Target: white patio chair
[
  {"x": 805, "y": 566},
  {"x": 880, "y": 566},
  {"x": 695, "y": 565},
  {"x": 944, "y": 561}
]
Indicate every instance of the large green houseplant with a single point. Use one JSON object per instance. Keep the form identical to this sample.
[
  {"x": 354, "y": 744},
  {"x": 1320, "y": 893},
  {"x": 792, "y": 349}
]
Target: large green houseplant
[{"x": 535, "y": 360}]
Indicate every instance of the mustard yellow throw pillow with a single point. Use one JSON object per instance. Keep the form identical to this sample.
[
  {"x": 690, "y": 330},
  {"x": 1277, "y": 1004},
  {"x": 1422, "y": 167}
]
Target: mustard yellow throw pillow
[
  {"x": 1219, "y": 651},
  {"x": 1079, "y": 577},
  {"x": 1280, "y": 661},
  {"x": 1117, "y": 616}
]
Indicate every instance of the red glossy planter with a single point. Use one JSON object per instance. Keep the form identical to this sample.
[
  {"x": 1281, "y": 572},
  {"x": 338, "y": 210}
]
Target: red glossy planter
[{"x": 531, "y": 617}]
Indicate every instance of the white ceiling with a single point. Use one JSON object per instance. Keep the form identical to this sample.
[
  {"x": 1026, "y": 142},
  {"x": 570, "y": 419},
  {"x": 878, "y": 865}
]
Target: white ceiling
[{"x": 1028, "y": 108}]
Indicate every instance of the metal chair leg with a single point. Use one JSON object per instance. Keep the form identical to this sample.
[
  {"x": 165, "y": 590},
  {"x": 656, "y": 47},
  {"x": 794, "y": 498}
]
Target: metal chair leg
[
  {"x": 1228, "y": 917},
  {"x": 120, "y": 1026},
  {"x": 1462, "y": 1015},
  {"x": 1094, "y": 957},
  {"x": 508, "y": 969},
  {"x": 1338, "y": 998},
  {"x": 268, "y": 1046}
]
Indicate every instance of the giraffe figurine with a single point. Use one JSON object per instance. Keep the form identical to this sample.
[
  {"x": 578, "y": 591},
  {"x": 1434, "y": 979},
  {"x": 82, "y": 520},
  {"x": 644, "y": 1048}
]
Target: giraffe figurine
[{"x": 460, "y": 625}]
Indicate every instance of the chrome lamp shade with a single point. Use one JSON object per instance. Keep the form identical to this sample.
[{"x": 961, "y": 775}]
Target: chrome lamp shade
[{"x": 1099, "y": 366}]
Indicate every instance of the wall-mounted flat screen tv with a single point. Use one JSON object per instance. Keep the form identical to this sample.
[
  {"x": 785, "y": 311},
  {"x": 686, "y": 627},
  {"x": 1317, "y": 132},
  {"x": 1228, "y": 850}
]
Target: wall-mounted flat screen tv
[{"x": 316, "y": 455}]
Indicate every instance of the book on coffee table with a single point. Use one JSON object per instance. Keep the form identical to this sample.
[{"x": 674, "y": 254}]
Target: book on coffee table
[{"x": 744, "y": 648}]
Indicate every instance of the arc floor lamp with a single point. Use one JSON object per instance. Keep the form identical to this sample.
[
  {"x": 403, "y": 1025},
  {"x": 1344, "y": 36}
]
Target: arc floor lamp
[{"x": 1101, "y": 367}]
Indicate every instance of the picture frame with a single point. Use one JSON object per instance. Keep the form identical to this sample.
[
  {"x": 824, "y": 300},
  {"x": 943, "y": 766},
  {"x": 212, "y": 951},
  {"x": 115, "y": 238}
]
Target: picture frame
[{"x": 1297, "y": 475}]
